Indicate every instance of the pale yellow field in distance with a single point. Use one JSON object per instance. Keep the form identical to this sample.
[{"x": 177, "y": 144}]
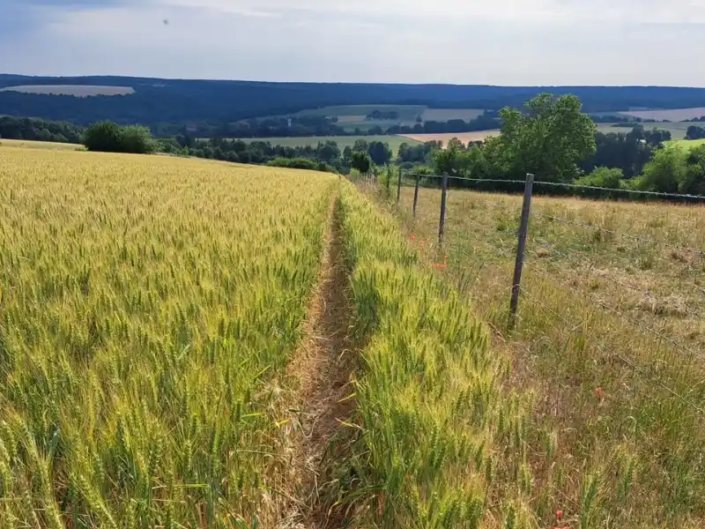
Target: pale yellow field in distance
[
  {"x": 72, "y": 90},
  {"x": 147, "y": 302},
  {"x": 27, "y": 144},
  {"x": 445, "y": 137}
]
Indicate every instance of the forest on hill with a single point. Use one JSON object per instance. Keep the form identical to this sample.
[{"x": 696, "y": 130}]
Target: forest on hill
[{"x": 168, "y": 105}]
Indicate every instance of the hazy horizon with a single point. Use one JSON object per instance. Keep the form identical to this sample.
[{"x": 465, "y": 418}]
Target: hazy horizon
[{"x": 503, "y": 43}]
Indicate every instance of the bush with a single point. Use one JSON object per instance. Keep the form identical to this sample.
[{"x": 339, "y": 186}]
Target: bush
[
  {"x": 137, "y": 140},
  {"x": 603, "y": 177},
  {"x": 301, "y": 163},
  {"x": 361, "y": 161},
  {"x": 107, "y": 136}
]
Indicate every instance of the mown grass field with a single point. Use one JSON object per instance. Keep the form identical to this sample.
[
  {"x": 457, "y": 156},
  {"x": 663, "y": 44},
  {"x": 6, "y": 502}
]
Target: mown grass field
[
  {"x": 675, "y": 114},
  {"x": 148, "y": 304},
  {"x": 609, "y": 342},
  {"x": 677, "y": 129},
  {"x": 342, "y": 141},
  {"x": 687, "y": 144},
  {"x": 351, "y": 117}
]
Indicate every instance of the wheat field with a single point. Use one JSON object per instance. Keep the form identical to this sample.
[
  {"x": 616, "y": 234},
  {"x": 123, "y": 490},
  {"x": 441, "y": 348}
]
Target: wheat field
[
  {"x": 189, "y": 343},
  {"x": 147, "y": 303}
]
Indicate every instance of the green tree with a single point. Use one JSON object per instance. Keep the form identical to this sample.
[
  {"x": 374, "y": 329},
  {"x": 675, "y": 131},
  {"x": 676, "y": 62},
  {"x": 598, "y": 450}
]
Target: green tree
[
  {"x": 693, "y": 182},
  {"x": 104, "y": 136},
  {"x": 667, "y": 171},
  {"x": 609, "y": 177},
  {"x": 361, "y": 161},
  {"x": 548, "y": 139},
  {"x": 473, "y": 163},
  {"x": 380, "y": 152},
  {"x": 695, "y": 133},
  {"x": 107, "y": 136},
  {"x": 445, "y": 161},
  {"x": 138, "y": 140},
  {"x": 361, "y": 146},
  {"x": 347, "y": 156},
  {"x": 328, "y": 152}
]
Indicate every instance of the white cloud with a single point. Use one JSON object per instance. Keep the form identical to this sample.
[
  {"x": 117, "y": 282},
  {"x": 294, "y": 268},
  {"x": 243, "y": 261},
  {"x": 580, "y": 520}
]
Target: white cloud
[
  {"x": 515, "y": 42},
  {"x": 526, "y": 11}
]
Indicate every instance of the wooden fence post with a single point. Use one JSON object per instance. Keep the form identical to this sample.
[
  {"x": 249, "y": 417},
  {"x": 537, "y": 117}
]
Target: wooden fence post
[
  {"x": 521, "y": 248},
  {"x": 442, "y": 222},
  {"x": 416, "y": 193},
  {"x": 399, "y": 187}
]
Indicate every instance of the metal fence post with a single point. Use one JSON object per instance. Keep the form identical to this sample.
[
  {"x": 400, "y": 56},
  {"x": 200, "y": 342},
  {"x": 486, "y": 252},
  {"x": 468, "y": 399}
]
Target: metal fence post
[
  {"x": 442, "y": 222},
  {"x": 521, "y": 248},
  {"x": 399, "y": 187},
  {"x": 416, "y": 193}
]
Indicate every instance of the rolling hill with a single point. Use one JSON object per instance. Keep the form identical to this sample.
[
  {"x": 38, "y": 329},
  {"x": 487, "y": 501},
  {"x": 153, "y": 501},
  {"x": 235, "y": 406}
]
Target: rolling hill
[{"x": 198, "y": 102}]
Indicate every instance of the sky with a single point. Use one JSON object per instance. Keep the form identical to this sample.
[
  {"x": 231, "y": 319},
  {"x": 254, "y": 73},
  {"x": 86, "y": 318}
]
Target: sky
[{"x": 504, "y": 42}]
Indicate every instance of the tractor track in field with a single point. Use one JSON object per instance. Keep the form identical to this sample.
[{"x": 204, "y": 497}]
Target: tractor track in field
[{"x": 324, "y": 367}]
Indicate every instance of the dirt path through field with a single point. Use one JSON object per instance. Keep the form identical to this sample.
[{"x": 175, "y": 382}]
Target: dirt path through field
[{"x": 324, "y": 368}]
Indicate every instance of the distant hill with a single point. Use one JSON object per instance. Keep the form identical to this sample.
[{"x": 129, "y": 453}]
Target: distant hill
[{"x": 197, "y": 103}]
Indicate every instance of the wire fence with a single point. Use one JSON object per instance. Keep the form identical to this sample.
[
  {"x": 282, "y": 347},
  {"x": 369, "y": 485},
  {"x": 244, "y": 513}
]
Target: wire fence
[{"x": 526, "y": 249}]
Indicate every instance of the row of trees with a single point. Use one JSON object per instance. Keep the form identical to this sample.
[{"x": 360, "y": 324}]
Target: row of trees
[
  {"x": 39, "y": 130},
  {"x": 326, "y": 156},
  {"x": 301, "y": 126},
  {"x": 551, "y": 138}
]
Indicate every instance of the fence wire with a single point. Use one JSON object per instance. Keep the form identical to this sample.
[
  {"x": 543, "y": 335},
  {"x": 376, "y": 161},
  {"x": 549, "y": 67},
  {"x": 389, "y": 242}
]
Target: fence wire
[
  {"x": 565, "y": 185},
  {"x": 500, "y": 249}
]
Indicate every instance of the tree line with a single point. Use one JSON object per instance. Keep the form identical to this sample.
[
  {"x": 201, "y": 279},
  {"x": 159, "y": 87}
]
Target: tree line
[
  {"x": 551, "y": 137},
  {"x": 165, "y": 104},
  {"x": 39, "y": 130},
  {"x": 304, "y": 126}
]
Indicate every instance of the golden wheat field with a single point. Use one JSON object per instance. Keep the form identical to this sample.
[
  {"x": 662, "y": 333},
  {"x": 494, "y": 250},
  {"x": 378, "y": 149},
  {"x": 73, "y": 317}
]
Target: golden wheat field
[
  {"x": 194, "y": 344},
  {"x": 186, "y": 343},
  {"x": 146, "y": 305},
  {"x": 26, "y": 144}
]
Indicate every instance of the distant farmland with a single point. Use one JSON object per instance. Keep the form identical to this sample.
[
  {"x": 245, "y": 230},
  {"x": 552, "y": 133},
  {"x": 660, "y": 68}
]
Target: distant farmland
[
  {"x": 445, "y": 137},
  {"x": 446, "y": 114},
  {"x": 677, "y": 130},
  {"x": 352, "y": 117},
  {"x": 677, "y": 114},
  {"x": 72, "y": 90}
]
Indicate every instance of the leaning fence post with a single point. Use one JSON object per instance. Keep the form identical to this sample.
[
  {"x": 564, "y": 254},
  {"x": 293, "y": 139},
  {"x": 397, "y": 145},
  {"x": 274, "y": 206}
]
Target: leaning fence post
[
  {"x": 521, "y": 248},
  {"x": 399, "y": 187},
  {"x": 442, "y": 222},
  {"x": 416, "y": 193}
]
